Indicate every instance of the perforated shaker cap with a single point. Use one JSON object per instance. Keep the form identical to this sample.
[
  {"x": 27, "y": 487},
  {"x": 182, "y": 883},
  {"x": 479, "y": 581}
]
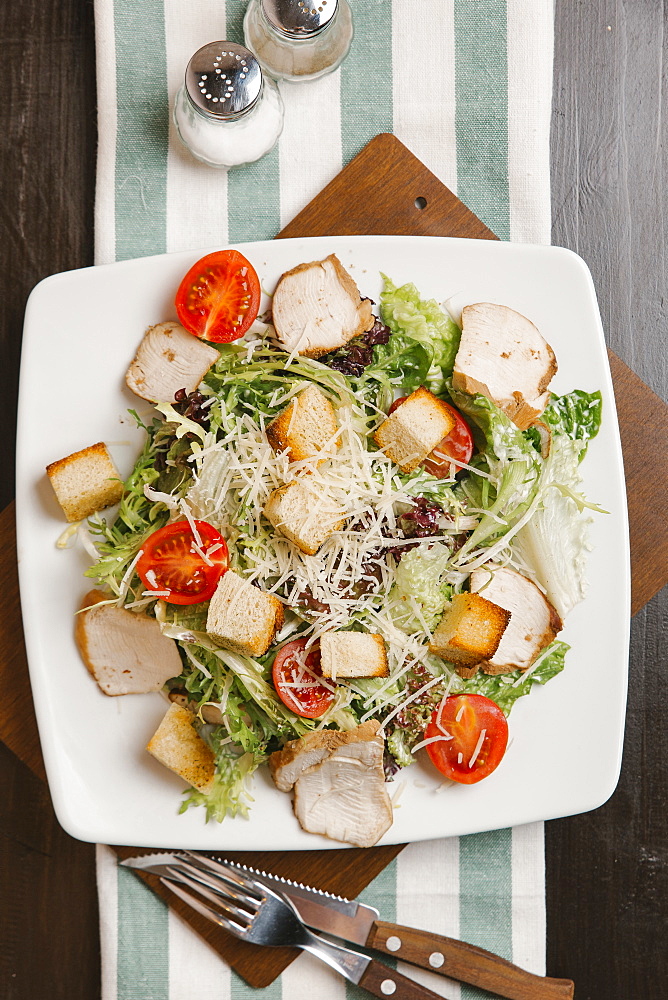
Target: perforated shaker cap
[
  {"x": 299, "y": 18},
  {"x": 223, "y": 80}
]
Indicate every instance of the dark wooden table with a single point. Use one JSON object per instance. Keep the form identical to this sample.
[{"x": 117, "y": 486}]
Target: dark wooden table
[{"x": 607, "y": 871}]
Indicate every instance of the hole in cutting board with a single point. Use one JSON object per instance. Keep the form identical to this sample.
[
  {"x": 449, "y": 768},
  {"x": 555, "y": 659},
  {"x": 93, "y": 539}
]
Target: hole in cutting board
[{"x": 420, "y": 203}]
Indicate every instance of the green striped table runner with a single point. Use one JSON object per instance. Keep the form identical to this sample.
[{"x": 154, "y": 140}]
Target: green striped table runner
[{"x": 466, "y": 85}]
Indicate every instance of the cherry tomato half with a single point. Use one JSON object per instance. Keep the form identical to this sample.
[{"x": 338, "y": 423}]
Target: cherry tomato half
[
  {"x": 458, "y": 444},
  {"x": 479, "y": 733},
  {"x": 188, "y": 568},
  {"x": 219, "y": 297},
  {"x": 296, "y": 688}
]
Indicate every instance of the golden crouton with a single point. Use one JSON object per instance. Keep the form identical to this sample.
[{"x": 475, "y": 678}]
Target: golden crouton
[
  {"x": 85, "y": 482},
  {"x": 304, "y": 427},
  {"x": 242, "y": 617},
  {"x": 469, "y": 632},
  {"x": 414, "y": 429},
  {"x": 180, "y": 748},
  {"x": 352, "y": 654},
  {"x": 302, "y": 516}
]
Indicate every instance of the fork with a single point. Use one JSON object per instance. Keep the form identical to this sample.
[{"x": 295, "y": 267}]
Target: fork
[{"x": 253, "y": 912}]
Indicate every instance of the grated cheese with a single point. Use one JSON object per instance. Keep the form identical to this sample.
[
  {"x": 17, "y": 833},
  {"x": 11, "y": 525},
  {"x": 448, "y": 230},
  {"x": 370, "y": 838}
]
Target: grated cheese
[
  {"x": 429, "y": 740},
  {"x": 478, "y": 747}
]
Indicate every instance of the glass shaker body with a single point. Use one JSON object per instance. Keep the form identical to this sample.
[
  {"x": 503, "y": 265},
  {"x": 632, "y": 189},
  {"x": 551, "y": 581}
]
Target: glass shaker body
[
  {"x": 289, "y": 56},
  {"x": 226, "y": 113}
]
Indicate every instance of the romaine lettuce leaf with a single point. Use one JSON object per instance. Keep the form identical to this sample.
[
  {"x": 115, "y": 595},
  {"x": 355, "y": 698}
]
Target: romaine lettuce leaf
[
  {"x": 424, "y": 321},
  {"x": 403, "y": 362},
  {"x": 558, "y": 567},
  {"x": 576, "y": 415},
  {"x": 505, "y": 689}
]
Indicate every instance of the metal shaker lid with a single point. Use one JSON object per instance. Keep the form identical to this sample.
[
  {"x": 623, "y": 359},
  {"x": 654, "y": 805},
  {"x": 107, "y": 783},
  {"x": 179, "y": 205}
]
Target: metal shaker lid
[
  {"x": 224, "y": 80},
  {"x": 299, "y": 18}
]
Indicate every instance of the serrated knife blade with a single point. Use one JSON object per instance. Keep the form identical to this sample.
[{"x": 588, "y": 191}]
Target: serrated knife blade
[{"x": 358, "y": 923}]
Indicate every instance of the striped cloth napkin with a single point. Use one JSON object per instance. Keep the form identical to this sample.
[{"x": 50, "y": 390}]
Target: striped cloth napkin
[{"x": 466, "y": 85}]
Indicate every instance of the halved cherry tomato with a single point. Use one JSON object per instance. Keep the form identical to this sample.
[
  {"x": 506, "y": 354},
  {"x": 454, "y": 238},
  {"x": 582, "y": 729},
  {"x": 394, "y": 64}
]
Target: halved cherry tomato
[
  {"x": 186, "y": 567},
  {"x": 458, "y": 444},
  {"x": 219, "y": 297},
  {"x": 295, "y": 686},
  {"x": 479, "y": 733}
]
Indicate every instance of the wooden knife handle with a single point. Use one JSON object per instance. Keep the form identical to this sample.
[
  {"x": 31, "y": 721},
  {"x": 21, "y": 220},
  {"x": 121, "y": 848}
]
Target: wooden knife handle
[
  {"x": 466, "y": 963},
  {"x": 384, "y": 983}
]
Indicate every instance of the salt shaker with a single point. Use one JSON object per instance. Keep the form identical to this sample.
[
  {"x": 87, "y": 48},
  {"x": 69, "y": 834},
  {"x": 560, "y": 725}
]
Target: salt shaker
[
  {"x": 227, "y": 112},
  {"x": 298, "y": 39}
]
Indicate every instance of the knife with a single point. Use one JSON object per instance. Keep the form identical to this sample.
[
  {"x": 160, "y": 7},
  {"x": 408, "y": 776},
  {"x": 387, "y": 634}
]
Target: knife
[{"x": 358, "y": 923}]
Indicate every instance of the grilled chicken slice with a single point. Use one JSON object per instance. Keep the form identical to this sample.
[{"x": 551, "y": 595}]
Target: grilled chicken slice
[
  {"x": 125, "y": 652},
  {"x": 504, "y": 357},
  {"x": 168, "y": 359},
  {"x": 317, "y": 308},
  {"x": 533, "y": 624},
  {"x": 288, "y": 764},
  {"x": 339, "y": 784}
]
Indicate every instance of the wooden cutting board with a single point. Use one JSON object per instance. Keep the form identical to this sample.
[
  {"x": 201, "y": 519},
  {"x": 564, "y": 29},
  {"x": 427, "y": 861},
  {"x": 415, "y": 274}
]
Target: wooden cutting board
[{"x": 384, "y": 190}]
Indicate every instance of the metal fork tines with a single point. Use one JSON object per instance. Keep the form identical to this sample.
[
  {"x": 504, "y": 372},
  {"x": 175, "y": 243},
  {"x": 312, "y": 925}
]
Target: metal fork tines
[
  {"x": 253, "y": 912},
  {"x": 235, "y": 900}
]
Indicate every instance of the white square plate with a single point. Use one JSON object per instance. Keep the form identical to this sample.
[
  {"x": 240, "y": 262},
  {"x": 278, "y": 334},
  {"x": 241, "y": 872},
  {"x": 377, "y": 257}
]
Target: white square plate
[{"x": 81, "y": 332}]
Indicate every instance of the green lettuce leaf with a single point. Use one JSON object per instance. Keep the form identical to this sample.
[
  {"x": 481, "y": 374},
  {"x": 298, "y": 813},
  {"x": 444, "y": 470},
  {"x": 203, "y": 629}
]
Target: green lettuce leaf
[
  {"x": 576, "y": 415},
  {"x": 402, "y": 363},
  {"x": 229, "y": 794},
  {"x": 505, "y": 689},
  {"x": 421, "y": 578},
  {"x": 515, "y": 468},
  {"x": 422, "y": 320}
]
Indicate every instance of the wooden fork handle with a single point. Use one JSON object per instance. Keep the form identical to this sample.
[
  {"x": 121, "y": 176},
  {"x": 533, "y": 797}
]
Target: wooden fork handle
[{"x": 465, "y": 963}]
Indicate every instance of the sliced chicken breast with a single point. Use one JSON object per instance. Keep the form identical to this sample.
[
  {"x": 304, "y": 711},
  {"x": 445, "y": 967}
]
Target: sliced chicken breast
[
  {"x": 504, "y": 357},
  {"x": 317, "y": 308},
  {"x": 533, "y": 624},
  {"x": 338, "y": 782},
  {"x": 125, "y": 652},
  {"x": 168, "y": 359},
  {"x": 344, "y": 798},
  {"x": 288, "y": 764}
]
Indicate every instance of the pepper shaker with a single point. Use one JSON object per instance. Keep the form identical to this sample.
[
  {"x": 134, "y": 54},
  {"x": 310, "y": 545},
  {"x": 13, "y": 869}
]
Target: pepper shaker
[
  {"x": 298, "y": 39},
  {"x": 227, "y": 112}
]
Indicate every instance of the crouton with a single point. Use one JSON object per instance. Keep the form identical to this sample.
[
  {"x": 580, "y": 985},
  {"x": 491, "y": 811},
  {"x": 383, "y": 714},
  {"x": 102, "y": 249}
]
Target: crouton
[
  {"x": 243, "y": 618},
  {"x": 504, "y": 357},
  {"x": 168, "y": 359},
  {"x": 178, "y": 746},
  {"x": 469, "y": 632},
  {"x": 125, "y": 651},
  {"x": 302, "y": 516},
  {"x": 85, "y": 482},
  {"x": 317, "y": 308},
  {"x": 413, "y": 430},
  {"x": 304, "y": 427},
  {"x": 352, "y": 654}
]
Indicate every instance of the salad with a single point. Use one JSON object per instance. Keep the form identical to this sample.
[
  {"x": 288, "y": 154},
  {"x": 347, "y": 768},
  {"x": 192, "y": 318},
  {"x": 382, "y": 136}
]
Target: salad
[{"x": 340, "y": 587}]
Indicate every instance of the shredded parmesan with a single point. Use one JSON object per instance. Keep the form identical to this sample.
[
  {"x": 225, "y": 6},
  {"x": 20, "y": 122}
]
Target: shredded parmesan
[
  {"x": 536, "y": 663},
  {"x": 127, "y": 576},
  {"x": 478, "y": 747},
  {"x": 429, "y": 740}
]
